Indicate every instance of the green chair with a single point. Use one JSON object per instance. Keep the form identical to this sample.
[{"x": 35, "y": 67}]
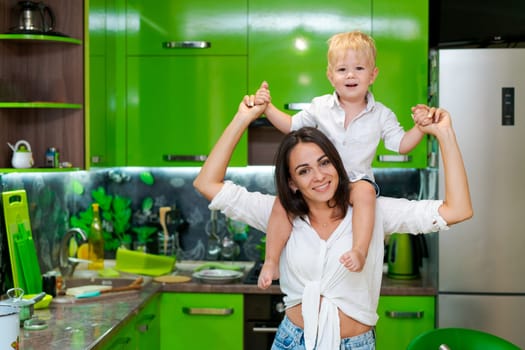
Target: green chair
[{"x": 459, "y": 339}]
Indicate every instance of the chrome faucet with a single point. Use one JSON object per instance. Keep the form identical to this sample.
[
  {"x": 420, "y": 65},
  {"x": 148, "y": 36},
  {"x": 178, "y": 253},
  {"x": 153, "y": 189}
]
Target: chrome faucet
[{"x": 68, "y": 264}]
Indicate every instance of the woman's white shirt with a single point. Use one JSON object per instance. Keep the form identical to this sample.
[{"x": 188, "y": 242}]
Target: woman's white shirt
[{"x": 310, "y": 268}]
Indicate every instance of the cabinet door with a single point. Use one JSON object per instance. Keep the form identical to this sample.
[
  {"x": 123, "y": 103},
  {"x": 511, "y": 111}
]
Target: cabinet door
[
  {"x": 288, "y": 45},
  {"x": 179, "y": 106},
  {"x": 159, "y": 27},
  {"x": 124, "y": 340},
  {"x": 201, "y": 321},
  {"x": 400, "y": 29},
  {"x": 401, "y": 319},
  {"x": 147, "y": 326}
]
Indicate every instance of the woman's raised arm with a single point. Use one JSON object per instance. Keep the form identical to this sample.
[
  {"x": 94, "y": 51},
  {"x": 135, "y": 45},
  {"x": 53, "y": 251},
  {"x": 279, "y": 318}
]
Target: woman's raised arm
[
  {"x": 210, "y": 179},
  {"x": 457, "y": 204}
]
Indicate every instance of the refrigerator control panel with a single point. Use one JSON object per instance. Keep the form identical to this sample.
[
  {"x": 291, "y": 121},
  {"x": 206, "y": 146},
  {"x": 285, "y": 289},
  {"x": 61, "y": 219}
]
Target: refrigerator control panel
[{"x": 507, "y": 106}]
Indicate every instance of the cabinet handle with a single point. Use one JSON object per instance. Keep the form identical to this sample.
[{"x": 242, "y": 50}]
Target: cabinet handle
[
  {"x": 264, "y": 329},
  {"x": 207, "y": 311},
  {"x": 120, "y": 342},
  {"x": 184, "y": 158},
  {"x": 186, "y": 44},
  {"x": 143, "y": 324},
  {"x": 96, "y": 159},
  {"x": 396, "y": 158},
  {"x": 405, "y": 314},
  {"x": 296, "y": 106}
]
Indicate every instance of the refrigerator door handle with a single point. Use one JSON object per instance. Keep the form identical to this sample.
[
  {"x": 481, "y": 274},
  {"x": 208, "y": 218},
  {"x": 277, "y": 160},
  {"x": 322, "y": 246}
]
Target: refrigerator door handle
[{"x": 405, "y": 314}]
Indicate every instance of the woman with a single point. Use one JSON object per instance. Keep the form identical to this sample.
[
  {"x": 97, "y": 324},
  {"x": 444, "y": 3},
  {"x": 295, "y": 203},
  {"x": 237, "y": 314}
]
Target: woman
[{"x": 327, "y": 306}]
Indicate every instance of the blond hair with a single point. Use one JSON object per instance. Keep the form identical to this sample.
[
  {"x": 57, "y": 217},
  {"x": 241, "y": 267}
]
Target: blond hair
[{"x": 358, "y": 41}]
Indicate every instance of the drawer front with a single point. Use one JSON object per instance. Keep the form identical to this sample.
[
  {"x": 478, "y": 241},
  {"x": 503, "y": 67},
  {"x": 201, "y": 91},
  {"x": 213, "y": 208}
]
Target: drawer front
[{"x": 217, "y": 317}]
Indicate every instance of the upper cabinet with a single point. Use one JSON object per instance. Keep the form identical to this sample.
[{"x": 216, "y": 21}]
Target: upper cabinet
[
  {"x": 174, "y": 74},
  {"x": 167, "y": 76},
  {"x": 199, "y": 27},
  {"x": 288, "y": 45},
  {"x": 400, "y": 30},
  {"x": 42, "y": 80}
]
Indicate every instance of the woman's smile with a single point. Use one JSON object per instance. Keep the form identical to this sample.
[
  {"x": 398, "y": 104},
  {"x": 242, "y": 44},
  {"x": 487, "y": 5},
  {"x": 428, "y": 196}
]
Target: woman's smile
[{"x": 312, "y": 173}]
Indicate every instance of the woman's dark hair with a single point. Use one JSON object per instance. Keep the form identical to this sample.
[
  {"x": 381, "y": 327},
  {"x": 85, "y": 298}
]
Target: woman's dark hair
[{"x": 293, "y": 202}]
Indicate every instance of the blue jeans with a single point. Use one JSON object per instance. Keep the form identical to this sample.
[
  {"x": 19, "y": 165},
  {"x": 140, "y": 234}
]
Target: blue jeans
[{"x": 291, "y": 337}]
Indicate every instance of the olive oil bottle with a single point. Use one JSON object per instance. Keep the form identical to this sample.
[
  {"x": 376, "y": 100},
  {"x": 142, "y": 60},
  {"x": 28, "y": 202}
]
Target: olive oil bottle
[{"x": 96, "y": 241}]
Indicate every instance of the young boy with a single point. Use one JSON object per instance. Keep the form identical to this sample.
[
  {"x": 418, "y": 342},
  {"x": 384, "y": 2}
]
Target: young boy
[{"x": 355, "y": 122}]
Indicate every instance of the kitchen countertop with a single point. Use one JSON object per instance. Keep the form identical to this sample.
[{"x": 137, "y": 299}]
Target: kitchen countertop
[{"x": 84, "y": 323}]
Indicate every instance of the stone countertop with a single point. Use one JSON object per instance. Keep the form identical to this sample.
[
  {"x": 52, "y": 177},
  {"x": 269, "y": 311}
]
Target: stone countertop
[{"x": 84, "y": 323}]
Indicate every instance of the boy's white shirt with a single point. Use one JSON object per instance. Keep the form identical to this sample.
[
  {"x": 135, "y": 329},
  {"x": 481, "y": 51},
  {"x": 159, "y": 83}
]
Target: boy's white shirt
[{"x": 357, "y": 144}]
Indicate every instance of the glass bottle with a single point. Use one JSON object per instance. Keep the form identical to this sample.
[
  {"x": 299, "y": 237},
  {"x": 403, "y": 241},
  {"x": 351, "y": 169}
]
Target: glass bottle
[{"x": 96, "y": 241}]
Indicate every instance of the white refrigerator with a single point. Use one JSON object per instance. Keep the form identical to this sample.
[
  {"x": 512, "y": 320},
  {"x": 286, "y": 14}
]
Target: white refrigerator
[{"x": 482, "y": 261}]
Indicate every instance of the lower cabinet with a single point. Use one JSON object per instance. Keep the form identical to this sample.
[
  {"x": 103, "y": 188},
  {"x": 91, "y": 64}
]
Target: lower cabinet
[
  {"x": 201, "y": 321},
  {"x": 141, "y": 332},
  {"x": 401, "y": 319}
]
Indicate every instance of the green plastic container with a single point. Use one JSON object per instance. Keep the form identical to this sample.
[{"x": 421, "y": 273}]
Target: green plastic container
[
  {"x": 459, "y": 339},
  {"x": 136, "y": 262}
]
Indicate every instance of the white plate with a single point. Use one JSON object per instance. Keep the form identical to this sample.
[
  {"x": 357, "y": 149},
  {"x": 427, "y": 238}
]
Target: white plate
[{"x": 218, "y": 275}]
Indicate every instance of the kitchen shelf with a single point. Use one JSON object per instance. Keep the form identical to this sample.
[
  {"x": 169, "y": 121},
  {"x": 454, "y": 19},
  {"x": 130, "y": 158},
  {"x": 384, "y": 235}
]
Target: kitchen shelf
[
  {"x": 37, "y": 170},
  {"x": 40, "y": 105},
  {"x": 40, "y": 38}
]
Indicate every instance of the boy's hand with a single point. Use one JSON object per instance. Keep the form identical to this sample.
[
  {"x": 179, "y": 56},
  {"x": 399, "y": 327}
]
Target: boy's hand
[
  {"x": 422, "y": 115},
  {"x": 262, "y": 96}
]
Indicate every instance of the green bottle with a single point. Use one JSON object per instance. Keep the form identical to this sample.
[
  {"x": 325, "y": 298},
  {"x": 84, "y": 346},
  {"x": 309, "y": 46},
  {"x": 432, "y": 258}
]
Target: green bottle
[{"x": 96, "y": 241}]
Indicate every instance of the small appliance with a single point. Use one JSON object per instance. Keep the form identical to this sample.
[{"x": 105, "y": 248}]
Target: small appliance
[
  {"x": 403, "y": 256},
  {"x": 34, "y": 18}
]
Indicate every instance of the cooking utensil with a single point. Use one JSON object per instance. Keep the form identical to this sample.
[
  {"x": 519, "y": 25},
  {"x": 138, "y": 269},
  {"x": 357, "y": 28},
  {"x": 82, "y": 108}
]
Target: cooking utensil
[
  {"x": 229, "y": 248},
  {"x": 96, "y": 290},
  {"x": 162, "y": 219},
  {"x": 10, "y": 326},
  {"x": 25, "y": 306},
  {"x": 212, "y": 229}
]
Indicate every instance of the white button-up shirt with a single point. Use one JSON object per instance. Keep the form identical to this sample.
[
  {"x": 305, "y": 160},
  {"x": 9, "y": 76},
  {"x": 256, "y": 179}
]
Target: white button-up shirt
[{"x": 309, "y": 266}]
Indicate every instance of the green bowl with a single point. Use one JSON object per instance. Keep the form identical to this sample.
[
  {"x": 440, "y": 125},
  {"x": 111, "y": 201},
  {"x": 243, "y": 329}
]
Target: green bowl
[{"x": 42, "y": 304}]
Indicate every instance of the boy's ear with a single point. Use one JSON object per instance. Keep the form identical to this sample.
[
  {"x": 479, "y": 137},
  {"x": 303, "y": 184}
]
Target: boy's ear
[
  {"x": 329, "y": 75},
  {"x": 375, "y": 72}
]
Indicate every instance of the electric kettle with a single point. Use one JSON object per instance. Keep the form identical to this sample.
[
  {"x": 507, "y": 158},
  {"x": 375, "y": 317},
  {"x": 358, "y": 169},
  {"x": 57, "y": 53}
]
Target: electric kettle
[
  {"x": 404, "y": 256},
  {"x": 34, "y": 18}
]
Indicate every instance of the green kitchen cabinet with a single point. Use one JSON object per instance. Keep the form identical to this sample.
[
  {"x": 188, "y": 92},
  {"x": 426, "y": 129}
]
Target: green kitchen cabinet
[
  {"x": 400, "y": 30},
  {"x": 124, "y": 339},
  {"x": 177, "y": 107},
  {"x": 142, "y": 331},
  {"x": 147, "y": 325},
  {"x": 179, "y": 95},
  {"x": 402, "y": 318},
  {"x": 287, "y": 45},
  {"x": 102, "y": 139},
  {"x": 188, "y": 27},
  {"x": 200, "y": 321}
]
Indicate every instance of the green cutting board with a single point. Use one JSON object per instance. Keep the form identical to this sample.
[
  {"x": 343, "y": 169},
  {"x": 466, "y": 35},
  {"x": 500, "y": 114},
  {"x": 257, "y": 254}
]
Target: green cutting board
[{"x": 22, "y": 252}]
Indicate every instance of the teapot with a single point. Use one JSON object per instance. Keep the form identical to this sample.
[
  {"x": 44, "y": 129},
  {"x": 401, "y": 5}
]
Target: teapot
[
  {"x": 35, "y": 18},
  {"x": 22, "y": 155}
]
